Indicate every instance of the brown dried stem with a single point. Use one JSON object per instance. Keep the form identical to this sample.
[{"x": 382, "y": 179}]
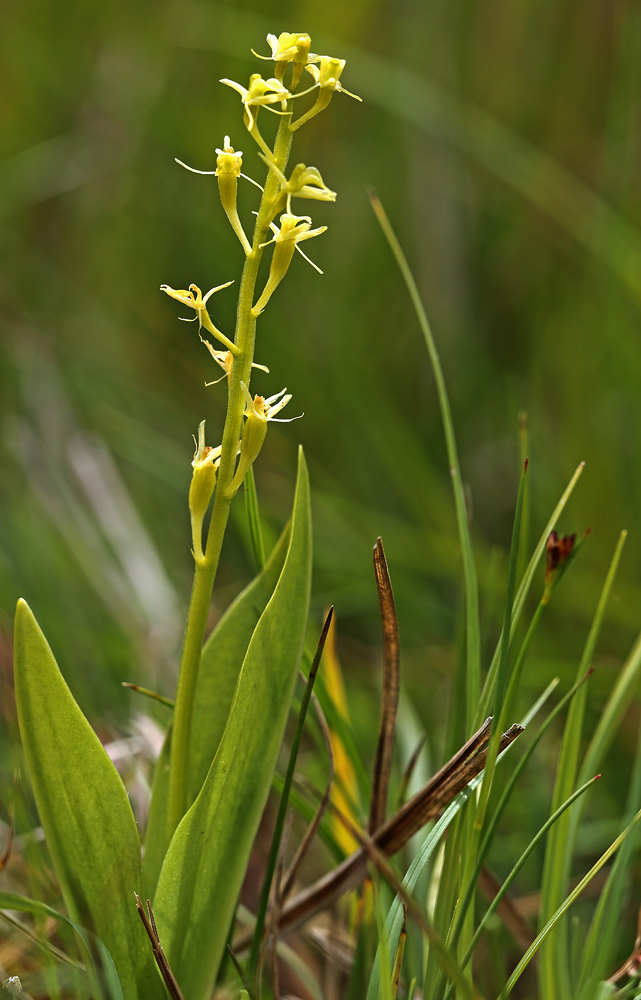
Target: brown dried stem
[{"x": 389, "y": 697}]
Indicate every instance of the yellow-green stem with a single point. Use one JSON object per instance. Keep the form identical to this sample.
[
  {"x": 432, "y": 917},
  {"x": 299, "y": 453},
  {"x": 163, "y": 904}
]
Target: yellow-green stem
[{"x": 205, "y": 571}]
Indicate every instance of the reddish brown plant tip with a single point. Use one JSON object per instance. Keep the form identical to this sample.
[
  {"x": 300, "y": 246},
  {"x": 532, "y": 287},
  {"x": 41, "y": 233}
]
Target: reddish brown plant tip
[
  {"x": 557, "y": 551},
  {"x": 527, "y": 462}
]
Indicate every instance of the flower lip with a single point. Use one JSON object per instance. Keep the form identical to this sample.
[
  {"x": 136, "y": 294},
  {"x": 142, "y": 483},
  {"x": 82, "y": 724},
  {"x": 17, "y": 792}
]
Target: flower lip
[{"x": 267, "y": 408}]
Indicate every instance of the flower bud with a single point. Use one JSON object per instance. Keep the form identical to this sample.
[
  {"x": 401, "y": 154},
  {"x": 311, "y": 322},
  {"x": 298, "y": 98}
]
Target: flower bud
[
  {"x": 253, "y": 438},
  {"x": 203, "y": 481}
]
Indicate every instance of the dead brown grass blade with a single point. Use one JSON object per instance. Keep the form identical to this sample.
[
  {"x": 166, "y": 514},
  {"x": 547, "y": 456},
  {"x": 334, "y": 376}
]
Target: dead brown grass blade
[
  {"x": 389, "y": 697},
  {"x": 161, "y": 961},
  {"x": 427, "y": 804}
]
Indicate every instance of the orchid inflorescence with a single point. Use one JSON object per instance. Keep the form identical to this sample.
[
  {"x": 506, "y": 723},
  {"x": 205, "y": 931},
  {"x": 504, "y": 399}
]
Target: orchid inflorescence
[{"x": 275, "y": 94}]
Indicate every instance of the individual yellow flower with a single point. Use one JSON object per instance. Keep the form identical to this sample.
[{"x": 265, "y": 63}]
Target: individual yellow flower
[
  {"x": 228, "y": 164},
  {"x": 293, "y": 230},
  {"x": 193, "y": 298},
  {"x": 304, "y": 182},
  {"x": 205, "y": 465},
  {"x": 260, "y": 93},
  {"x": 258, "y": 412},
  {"x": 327, "y": 79},
  {"x": 290, "y": 46}
]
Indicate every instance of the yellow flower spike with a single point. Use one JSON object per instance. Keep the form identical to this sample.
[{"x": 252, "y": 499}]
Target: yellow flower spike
[
  {"x": 293, "y": 230},
  {"x": 205, "y": 465},
  {"x": 225, "y": 359},
  {"x": 258, "y": 412},
  {"x": 304, "y": 182},
  {"x": 260, "y": 93},
  {"x": 193, "y": 297},
  {"x": 290, "y": 46},
  {"x": 327, "y": 79}
]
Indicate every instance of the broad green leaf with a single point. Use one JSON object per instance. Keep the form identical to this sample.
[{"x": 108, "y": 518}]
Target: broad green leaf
[
  {"x": 84, "y": 810},
  {"x": 100, "y": 960},
  {"x": 156, "y": 833},
  {"x": 206, "y": 861},
  {"x": 220, "y": 665}
]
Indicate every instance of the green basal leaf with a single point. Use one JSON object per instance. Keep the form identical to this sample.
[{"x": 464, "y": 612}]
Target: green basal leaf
[
  {"x": 156, "y": 833},
  {"x": 206, "y": 862},
  {"x": 100, "y": 961},
  {"x": 84, "y": 810},
  {"x": 220, "y": 665}
]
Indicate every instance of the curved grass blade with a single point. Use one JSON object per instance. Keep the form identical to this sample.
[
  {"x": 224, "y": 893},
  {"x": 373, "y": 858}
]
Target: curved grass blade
[
  {"x": 473, "y": 632},
  {"x": 395, "y": 916},
  {"x": 565, "y": 906},
  {"x": 553, "y": 966},
  {"x": 89, "y": 827},
  {"x": 205, "y": 865},
  {"x": 494, "y": 820},
  {"x": 100, "y": 960},
  {"x": 516, "y": 869},
  {"x": 598, "y": 949}
]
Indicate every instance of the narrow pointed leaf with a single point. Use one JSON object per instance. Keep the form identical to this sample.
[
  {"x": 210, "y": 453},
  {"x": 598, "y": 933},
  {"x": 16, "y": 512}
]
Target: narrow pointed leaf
[
  {"x": 84, "y": 810},
  {"x": 205, "y": 865}
]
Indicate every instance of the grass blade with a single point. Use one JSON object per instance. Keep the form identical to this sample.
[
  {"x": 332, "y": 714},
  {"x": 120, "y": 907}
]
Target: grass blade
[
  {"x": 473, "y": 634},
  {"x": 523, "y": 590},
  {"x": 101, "y": 962},
  {"x": 565, "y": 906},
  {"x": 598, "y": 948},
  {"x": 517, "y": 868},
  {"x": 553, "y": 967},
  {"x": 253, "y": 519}
]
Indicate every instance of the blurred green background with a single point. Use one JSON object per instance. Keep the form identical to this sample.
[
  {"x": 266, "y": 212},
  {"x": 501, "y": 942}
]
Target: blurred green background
[{"x": 504, "y": 140}]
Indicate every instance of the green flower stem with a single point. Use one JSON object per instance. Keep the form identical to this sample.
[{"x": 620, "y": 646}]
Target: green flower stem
[{"x": 205, "y": 572}]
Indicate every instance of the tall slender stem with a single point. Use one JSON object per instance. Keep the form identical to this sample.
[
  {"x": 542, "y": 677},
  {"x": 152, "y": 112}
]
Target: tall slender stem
[{"x": 205, "y": 571}]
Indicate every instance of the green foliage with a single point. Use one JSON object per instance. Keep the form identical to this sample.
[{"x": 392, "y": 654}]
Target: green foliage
[
  {"x": 205, "y": 865},
  {"x": 101, "y": 963},
  {"x": 220, "y": 664},
  {"x": 84, "y": 810}
]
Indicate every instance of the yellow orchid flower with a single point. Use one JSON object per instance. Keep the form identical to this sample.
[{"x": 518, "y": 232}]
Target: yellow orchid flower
[
  {"x": 193, "y": 297},
  {"x": 258, "y": 412},
  {"x": 260, "y": 93},
  {"x": 304, "y": 182},
  {"x": 327, "y": 79},
  {"x": 290, "y": 46},
  {"x": 293, "y": 230}
]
